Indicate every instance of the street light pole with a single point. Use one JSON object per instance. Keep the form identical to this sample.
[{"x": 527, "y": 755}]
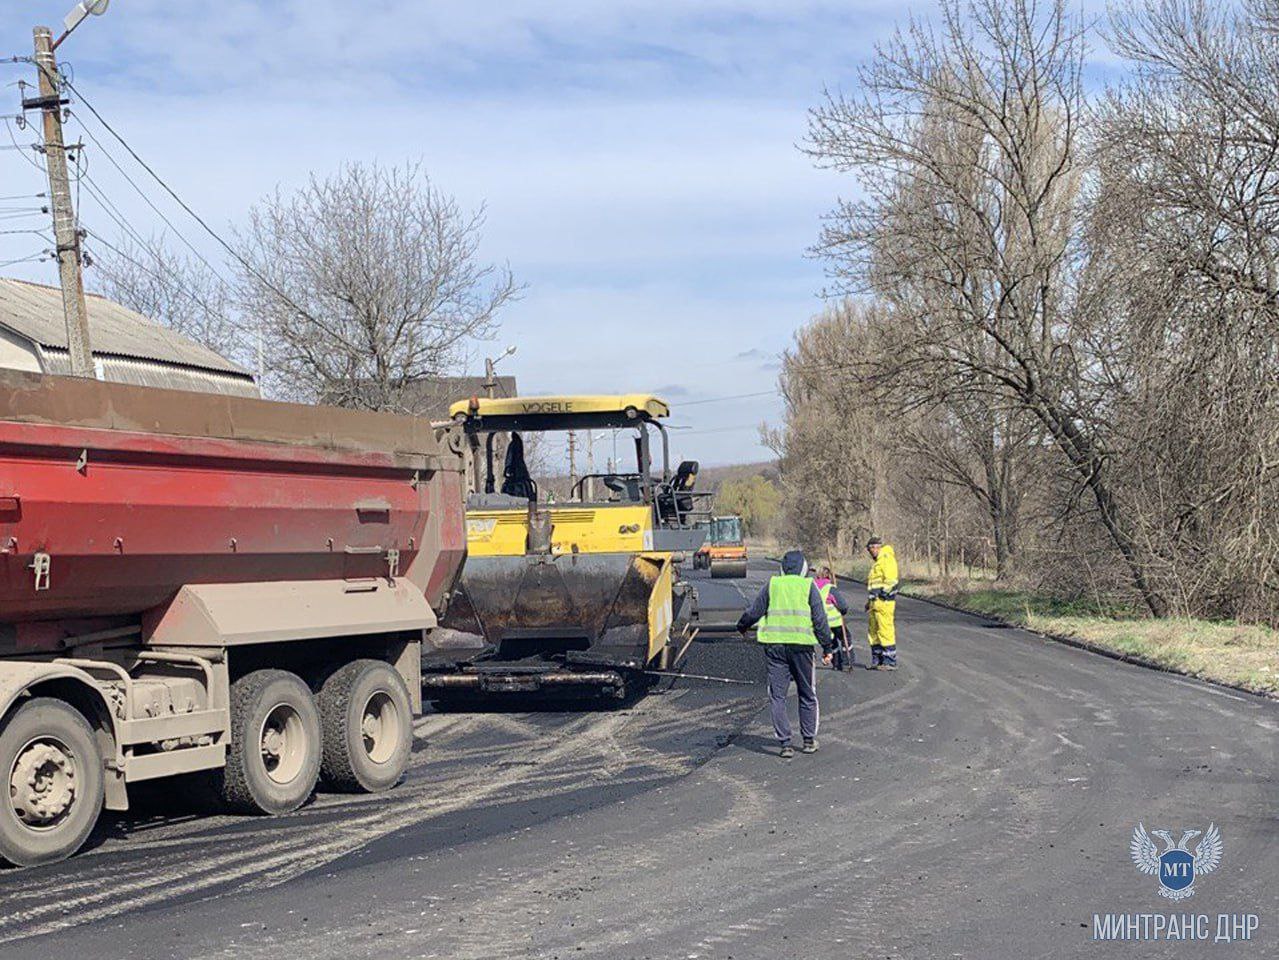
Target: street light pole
[
  {"x": 590, "y": 464},
  {"x": 490, "y": 372}
]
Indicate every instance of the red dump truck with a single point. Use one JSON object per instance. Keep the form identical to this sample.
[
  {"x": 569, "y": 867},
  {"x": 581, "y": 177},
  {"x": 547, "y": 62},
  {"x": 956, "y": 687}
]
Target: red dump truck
[{"x": 208, "y": 583}]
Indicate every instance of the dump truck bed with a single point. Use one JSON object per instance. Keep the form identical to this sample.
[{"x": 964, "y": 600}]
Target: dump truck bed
[{"x": 113, "y": 497}]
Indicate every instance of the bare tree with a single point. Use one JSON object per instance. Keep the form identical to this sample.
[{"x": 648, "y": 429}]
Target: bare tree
[
  {"x": 968, "y": 145},
  {"x": 1190, "y": 208},
  {"x": 864, "y": 451},
  {"x": 366, "y": 281},
  {"x": 987, "y": 454},
  {"x": 175, "y": 290},
  {"x": 828, "y": 448}
]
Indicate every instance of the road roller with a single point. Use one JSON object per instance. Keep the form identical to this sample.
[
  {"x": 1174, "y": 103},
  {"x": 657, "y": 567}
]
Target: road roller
[
  {"x": 724, "y": 551},
  {"x": 575, "y": 596}
]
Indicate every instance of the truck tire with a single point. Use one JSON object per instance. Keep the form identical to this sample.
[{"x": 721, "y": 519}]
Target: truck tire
[
  {"x": 368, "y": 727},
  {"x": 274, "y": 757},
  {"x": 51, "y": 786}
]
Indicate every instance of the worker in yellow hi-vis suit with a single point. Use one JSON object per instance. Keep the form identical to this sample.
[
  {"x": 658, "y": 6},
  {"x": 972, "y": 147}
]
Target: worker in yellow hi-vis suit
[{"x": 881, "y": 605}]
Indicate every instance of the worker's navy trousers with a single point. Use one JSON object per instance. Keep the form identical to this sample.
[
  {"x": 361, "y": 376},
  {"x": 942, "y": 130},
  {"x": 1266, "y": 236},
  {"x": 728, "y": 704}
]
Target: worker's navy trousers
[{"x": 787, "y": 662}]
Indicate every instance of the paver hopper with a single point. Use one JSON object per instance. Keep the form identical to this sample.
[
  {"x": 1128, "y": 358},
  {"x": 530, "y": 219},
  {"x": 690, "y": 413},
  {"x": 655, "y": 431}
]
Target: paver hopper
[{"x": 576, "y": 597}]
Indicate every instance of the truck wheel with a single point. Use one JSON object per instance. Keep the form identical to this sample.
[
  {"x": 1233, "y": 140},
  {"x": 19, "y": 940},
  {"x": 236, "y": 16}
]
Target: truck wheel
[
  {"x": 368, "y": 727},
  {"x": 51, "y": 792},
  {"x": 274, "y": 757}
]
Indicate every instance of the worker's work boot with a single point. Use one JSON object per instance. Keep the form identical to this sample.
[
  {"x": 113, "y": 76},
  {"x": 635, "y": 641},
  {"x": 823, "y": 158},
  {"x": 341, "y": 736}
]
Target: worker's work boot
[
  {"x": 810, "y": 746},
  {"x": 787, "y": 751}
]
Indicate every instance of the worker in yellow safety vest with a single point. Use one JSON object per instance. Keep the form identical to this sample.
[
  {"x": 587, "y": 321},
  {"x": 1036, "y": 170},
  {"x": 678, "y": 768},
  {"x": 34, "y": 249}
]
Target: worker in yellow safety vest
[
  {"x": 881, "y": 605},
  {"x": 835, "y": 606},
  {"x": 792, "y": 624}
]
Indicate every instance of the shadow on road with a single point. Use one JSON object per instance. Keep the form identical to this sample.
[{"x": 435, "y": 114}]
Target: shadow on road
[{"x": 756, "y": 744}]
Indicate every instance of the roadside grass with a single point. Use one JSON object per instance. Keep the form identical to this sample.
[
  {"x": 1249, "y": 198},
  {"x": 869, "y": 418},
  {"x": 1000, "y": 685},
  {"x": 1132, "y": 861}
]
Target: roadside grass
[{"x": 1242, "y": 655}]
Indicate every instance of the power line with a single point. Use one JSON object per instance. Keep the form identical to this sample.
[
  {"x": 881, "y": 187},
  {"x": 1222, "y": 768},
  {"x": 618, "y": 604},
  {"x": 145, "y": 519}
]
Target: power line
[
  {"x": 142, "y": 193},
  {"x": 112, "y": 211},
  {"x": 744, "y": 426},
  {"x": 195, "y": 216},
  {"x": 123, "y": 223},
  {"x": 214, "y": 314},
  {"x": 739, "y": 396},
  {"x": 35, "y": 256},
  {"x": 169, "y": 276},
  {"x": 21, "y": 148}
]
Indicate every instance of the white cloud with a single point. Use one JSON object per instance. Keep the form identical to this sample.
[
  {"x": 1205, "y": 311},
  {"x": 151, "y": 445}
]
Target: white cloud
[{"x": 636, "y": 156}]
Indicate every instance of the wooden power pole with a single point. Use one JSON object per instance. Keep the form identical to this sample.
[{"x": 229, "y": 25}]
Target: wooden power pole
[
  {"x": 65, "y": 232},
  {"x": 490, "y": 378}
]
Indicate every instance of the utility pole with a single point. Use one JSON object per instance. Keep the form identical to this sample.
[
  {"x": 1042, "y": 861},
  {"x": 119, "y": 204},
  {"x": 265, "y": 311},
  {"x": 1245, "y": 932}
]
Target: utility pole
[
  {"x": 490, "y": 371},
  {"x": 572, "y": 460},
  {"x": 490, "y": 378},
  {"x": 65, "y": 232}
]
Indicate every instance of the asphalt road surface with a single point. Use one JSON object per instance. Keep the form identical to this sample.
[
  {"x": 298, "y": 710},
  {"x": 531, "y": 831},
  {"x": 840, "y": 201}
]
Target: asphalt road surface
[{"x": 976, "y": 803}]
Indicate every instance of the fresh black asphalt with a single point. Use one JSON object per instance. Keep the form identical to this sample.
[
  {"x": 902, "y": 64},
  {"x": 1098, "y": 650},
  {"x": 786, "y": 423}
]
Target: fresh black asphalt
[{"x": 977, "y": 803}]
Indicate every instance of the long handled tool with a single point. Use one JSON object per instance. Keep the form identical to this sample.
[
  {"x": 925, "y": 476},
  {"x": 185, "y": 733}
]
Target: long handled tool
[{"x": 699, "y": 676}]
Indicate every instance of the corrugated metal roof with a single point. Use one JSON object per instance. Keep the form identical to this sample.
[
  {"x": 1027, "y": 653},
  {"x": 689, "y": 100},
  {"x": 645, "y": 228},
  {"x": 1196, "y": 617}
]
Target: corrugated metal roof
[
  {"x": 156, "y": 373},
  {"x": 34, "y": 311}
]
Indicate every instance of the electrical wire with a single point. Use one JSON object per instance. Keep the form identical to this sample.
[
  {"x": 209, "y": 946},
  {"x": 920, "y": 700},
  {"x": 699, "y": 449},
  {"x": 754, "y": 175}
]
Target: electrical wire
[
  {"x": 744, "y": 426},
  {"x": 35, "y": 256},
  {"x": 121, "y": 221},
  {"x": 739, "y": 396},
  {"x": 117, "y": 215},
  {"x": 169, "y": 276},
  {"x": 195, "y": 216},
  {"x": 19, "y": 147},
  {"x": 113, "y": 213},
  {"x": 214, "y": 314},
  {"x": 146, "y": 199}
]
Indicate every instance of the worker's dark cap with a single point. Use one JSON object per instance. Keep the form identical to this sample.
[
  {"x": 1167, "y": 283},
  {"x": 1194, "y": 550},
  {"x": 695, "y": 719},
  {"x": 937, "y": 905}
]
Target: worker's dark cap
[
  {"x": 794, "y": 563},
  {"x": 875, "y": 542}
]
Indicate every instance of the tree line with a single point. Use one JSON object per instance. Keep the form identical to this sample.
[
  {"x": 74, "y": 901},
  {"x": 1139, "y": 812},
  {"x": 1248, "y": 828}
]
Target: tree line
[{"x": 1051, "y": 345}]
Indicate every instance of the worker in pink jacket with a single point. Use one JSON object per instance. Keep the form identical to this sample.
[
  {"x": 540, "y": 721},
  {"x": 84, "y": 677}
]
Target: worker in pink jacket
[{"x": 835, "y": 606}]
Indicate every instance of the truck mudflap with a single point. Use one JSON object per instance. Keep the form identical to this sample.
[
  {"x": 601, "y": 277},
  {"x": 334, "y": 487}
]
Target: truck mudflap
[{"x": 19, "y": 677}]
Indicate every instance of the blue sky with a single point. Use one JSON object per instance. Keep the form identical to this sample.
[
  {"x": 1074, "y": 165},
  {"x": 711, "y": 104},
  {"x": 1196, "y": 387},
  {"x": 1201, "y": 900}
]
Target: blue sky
[{"x": 637, "y": 159}]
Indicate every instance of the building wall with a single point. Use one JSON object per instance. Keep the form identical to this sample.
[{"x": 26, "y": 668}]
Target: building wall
[{"x": 17, "y": 353}]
